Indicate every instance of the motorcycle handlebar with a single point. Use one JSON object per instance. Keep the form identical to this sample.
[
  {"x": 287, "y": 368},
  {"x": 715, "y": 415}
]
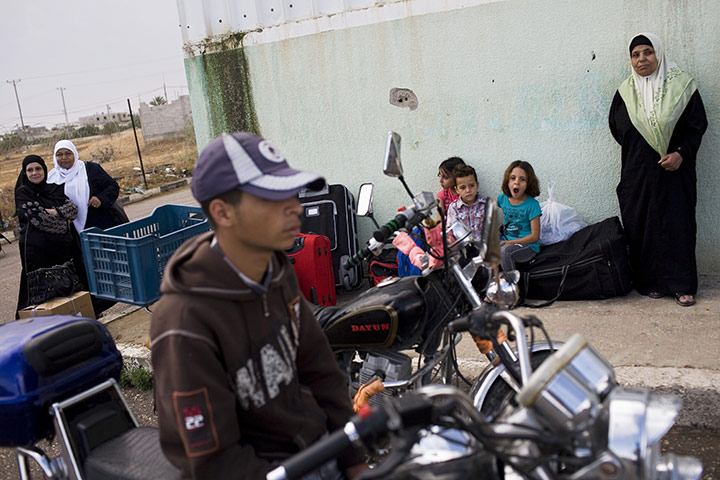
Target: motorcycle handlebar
[
  {"x": 362, "y": 429},
  {"x": 364, "y": 426},
  {"x": 408, "y": 219},
  {"x": 474, "y": 322}
]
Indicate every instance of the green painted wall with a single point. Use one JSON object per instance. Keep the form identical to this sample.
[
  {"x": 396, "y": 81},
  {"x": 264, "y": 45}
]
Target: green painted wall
[
  {"x": 497, "y": 82},
  {"x": 221, "y": 91}
]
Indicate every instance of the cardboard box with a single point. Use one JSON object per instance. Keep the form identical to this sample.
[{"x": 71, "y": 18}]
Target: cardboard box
[{"x": 79, "y": 303}]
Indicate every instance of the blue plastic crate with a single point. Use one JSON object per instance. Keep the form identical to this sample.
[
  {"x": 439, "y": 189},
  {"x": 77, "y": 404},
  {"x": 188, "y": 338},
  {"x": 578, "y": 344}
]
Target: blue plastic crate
[{"x": 126, "y": 263}]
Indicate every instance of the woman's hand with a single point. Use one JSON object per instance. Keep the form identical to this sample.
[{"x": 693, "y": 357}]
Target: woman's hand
[
  {"x": 52, "y": 211},
  {"x": 95, "y": 202},
  {"x": 671, "y": 161}
]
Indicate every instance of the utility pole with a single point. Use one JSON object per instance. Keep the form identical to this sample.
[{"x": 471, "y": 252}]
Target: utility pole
[
  {"x": 67, "y": 122},
  {"x": 14, "y": 84},
  {"x": 167, "y": 100}
]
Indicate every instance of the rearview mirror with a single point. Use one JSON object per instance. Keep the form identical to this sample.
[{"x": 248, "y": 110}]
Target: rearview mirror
[
  {"x": 364, "y": 203},
  {"x": 392, "y": 166},
  {"x": 491, "y": 232}
]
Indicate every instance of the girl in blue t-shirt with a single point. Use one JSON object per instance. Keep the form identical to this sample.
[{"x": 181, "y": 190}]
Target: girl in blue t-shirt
[{"x": 520, "y": 238}]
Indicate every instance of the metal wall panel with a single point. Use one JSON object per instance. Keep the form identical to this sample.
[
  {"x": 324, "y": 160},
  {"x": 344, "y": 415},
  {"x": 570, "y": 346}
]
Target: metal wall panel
[
  {"x": 217, "y": 17},
  {"x": 192, "y": 18},
  {"x": 244, "y": 16},
  {"x": 329, "y": 7},
  {"x": 270, "y": 12},
  {"x": 354, "y": 4},
  {"x": 298, "y": 9}
]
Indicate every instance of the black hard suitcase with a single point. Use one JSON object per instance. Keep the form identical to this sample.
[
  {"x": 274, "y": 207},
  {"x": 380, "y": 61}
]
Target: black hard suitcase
[
  {"x": 331, "y": 212},
  {"x": 592, "y": 264}
]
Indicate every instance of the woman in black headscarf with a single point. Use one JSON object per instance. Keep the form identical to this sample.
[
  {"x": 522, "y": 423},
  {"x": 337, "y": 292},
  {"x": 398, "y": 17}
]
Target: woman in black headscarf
[{"x": 46, "y": 234}]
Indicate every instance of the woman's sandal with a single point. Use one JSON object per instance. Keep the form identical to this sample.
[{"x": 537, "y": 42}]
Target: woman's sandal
[
  {"x": 685, "y": 303},
  {"x": 656, "y": 295}
]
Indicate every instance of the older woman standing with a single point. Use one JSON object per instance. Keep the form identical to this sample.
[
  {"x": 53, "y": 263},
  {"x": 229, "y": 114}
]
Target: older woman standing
[
  {"x": 86, "y": 184},
  {"x": 658, "y": 118},
  {"x": 45, "y": 213}
]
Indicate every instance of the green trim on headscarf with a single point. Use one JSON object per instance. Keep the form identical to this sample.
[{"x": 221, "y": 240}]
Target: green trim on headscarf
[{"x": 669, "y": 104}]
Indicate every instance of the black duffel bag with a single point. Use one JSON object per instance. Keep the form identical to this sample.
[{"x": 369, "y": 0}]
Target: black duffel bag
[{"x": 592, "y": 264}]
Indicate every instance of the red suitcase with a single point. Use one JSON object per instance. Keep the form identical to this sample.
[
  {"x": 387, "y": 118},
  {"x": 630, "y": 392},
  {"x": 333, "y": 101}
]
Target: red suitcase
[{"x": 312, "y": 260}]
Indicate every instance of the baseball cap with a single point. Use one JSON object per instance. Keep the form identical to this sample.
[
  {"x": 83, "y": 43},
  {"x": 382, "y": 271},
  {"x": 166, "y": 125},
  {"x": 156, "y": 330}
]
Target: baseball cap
[{"x": 244, "y": 161}]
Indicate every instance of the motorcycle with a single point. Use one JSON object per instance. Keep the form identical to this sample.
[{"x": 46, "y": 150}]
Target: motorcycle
[
  {"x": 370, "y": 334},
  {"x": 571, "y": 421},
  {"x": 423, "y": 309}
]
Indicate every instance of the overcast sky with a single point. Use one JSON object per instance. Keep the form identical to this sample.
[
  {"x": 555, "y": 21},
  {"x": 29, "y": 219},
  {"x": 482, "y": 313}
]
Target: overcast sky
[{"x": 101, "y": 51}]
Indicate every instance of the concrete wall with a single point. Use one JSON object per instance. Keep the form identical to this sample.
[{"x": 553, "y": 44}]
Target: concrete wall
[
  {"x": 167, "y": 119},
  {"x": 495, "y": 82},
  {"x": 100, "y": 119}
]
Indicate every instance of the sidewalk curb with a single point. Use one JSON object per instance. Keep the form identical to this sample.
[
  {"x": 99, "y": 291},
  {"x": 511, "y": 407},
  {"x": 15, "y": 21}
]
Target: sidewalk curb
[
  {"x": 698, "y": 388},
  {"x": 138, "y": 196}
]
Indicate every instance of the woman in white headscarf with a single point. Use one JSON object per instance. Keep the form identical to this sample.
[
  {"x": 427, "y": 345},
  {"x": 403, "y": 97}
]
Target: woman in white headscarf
[
  {"x": 658, "y": 118},
  {"x": 86, "y": 184}
]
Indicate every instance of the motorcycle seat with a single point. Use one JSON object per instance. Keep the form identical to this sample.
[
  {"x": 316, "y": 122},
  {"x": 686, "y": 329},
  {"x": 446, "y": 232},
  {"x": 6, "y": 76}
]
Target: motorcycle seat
[{"x": 134, "y": 455}]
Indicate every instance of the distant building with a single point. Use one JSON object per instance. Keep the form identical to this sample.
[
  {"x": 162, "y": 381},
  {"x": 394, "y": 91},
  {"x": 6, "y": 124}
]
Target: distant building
[
  {"x": 162, "y": 120},
  {"x": 32, "y": 132},
  {"x": 100, "y": 119}
]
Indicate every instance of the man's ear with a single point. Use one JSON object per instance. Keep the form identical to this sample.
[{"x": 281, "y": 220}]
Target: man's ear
[{"x": 221, "y": 212}]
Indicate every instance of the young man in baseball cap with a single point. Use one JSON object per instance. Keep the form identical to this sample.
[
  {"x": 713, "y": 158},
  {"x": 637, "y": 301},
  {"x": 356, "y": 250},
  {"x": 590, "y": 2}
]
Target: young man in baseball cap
[{"x": 244, "y": 376}]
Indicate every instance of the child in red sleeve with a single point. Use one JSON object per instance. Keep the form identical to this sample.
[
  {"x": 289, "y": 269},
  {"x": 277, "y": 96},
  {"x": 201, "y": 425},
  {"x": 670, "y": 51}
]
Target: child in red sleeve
[{"x": 447, "y": 182}]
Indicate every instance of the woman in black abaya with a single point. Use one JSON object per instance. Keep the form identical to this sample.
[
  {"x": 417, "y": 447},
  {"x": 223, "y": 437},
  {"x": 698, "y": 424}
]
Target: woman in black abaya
[
  {"x": 658, "y": 118},
  {"x": 47, "y": 237}
]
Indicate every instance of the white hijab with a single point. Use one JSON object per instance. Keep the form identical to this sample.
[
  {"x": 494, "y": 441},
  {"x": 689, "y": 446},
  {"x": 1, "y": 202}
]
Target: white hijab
[
  {"x": 75, "y": 180},
  {"x": 648, "y": 86}
]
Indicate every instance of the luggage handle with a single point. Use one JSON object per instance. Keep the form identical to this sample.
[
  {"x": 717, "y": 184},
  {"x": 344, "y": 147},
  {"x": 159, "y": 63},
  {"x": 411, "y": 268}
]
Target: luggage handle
[
  {"x": 306, "y": 193},
  {"x": 561, "y": 287}
]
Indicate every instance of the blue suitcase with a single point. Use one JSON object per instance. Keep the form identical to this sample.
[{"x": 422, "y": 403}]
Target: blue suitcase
[{"x": 44, "y": 360}]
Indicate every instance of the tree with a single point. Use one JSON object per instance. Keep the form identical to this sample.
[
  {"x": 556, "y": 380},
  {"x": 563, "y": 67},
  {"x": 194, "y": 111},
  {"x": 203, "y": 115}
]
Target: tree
[
  {"x": 86, "y": 131},
  {"x": 159, "y": 100},
  {"x": 110, "y": 128}
]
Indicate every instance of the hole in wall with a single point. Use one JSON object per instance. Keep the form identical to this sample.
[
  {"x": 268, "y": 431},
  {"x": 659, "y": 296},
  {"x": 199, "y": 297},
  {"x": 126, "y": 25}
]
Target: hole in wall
[{"x": 404, "y": 98}]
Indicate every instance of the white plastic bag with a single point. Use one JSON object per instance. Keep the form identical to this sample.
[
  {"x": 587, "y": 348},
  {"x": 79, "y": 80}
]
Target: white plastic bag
[{"x": 558, "y": 222}]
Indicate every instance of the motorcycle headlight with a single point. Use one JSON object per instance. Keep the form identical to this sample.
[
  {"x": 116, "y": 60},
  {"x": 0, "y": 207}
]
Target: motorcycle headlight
[
  {"x": 459, "y": 236},
  {"x": 637, "y": 421},
  {"x": 567, "y": 388}
]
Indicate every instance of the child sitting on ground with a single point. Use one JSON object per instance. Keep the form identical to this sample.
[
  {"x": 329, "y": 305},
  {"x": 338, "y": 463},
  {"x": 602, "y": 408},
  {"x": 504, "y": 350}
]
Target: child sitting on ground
[
  {"x": 445, "y": 172},
  {"x": 469, "y": 208},
  {"x": 520, "y": 239}
]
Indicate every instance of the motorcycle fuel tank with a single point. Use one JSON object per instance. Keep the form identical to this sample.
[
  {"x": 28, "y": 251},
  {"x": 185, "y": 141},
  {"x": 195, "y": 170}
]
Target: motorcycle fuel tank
[{"x": 384, "y": 316}]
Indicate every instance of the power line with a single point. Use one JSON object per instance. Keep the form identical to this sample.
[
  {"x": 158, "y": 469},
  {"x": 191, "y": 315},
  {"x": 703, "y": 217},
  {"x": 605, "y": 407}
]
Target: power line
[{"x": 82, "y": 72}]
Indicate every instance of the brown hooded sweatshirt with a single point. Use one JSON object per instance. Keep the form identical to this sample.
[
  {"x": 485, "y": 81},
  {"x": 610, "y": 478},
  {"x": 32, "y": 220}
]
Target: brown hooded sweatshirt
[{"x": 241, "y": 378}]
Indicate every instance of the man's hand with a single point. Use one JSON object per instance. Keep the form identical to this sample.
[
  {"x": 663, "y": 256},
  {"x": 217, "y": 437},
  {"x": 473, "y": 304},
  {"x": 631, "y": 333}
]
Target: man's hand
[
  {"x": 355, "y": 470},
  {"x": 95, "y": 202},
  {"x": 671, "y": 161}
]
